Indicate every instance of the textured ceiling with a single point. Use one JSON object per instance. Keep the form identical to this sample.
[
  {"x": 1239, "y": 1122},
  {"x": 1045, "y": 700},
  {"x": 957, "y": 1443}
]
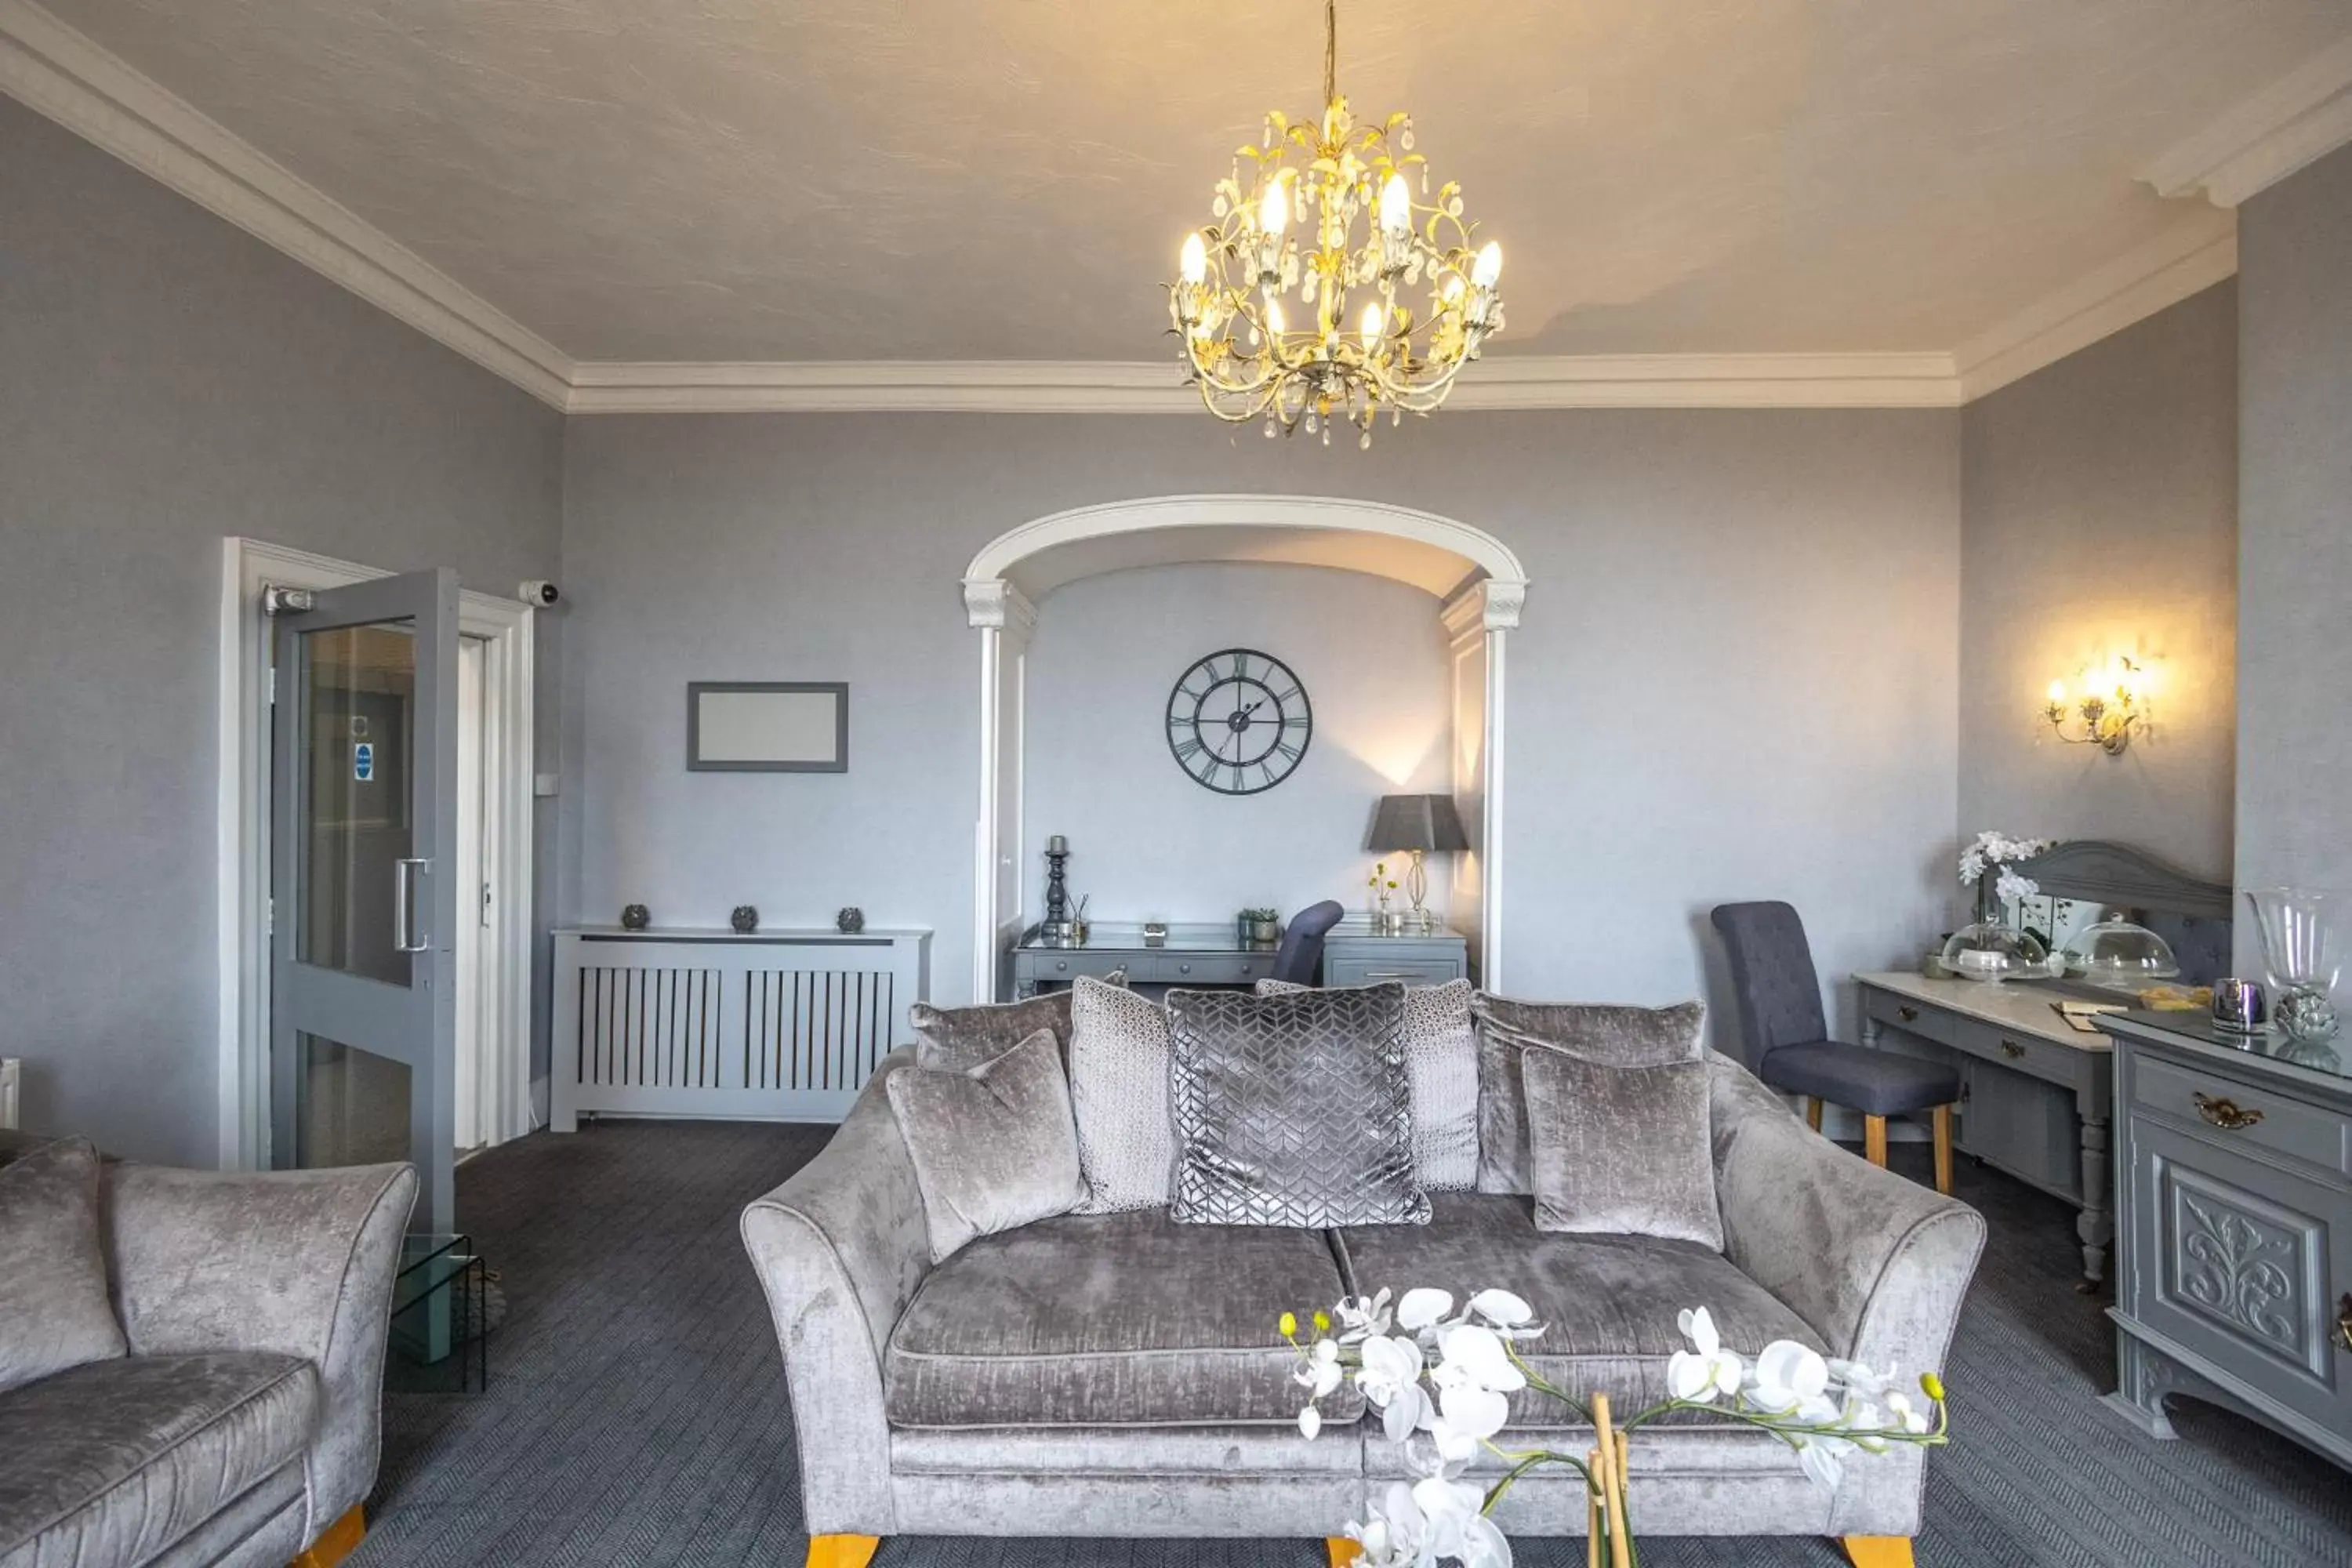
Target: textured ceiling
[{"x": 1008, "y": 179}]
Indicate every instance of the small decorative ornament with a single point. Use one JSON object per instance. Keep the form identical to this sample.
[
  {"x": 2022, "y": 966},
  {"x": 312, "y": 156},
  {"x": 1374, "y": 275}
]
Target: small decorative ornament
[
  {"x": 745, "y": 920},
  {"x": 634, "y": 917},
  {"x": 850, "y": 920}
]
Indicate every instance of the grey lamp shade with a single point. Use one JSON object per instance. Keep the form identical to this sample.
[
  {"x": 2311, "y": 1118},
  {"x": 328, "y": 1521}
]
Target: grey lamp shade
[{"x": 1416, "y": 822}]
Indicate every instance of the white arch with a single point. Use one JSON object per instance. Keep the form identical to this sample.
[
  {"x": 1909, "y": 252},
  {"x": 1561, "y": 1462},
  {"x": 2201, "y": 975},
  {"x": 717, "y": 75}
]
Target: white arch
[{"x": 1478, "y": 613}]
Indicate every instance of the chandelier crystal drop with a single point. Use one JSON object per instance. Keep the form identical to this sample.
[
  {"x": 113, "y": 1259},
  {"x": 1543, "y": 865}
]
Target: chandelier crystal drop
[{"x": 1324, "y": 292}]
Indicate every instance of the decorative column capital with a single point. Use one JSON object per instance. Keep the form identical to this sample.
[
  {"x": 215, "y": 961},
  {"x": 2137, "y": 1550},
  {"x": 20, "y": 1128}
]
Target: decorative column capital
[
  {"x": 1490, "y": 604},
  {"x": 994, "y": 602}
]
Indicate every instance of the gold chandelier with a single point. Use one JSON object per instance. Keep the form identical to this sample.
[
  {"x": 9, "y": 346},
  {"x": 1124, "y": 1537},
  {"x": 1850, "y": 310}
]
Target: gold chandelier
[{"x": 1356, "y": 346}]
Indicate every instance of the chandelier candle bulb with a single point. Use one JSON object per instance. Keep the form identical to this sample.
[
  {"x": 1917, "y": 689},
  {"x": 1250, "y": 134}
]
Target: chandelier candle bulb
[
  {"x": 1194, "y": 264},
  {"x": 1489, "y": 270},
  {"x": 1396, "y": 205}
]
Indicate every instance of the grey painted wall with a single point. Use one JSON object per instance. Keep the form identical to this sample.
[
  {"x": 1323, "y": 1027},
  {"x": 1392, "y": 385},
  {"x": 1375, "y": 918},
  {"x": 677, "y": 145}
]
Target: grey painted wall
[
  {"x": 1373, "y": 659},
  {"x": 1735, "y": 679},
  {"x": 2099, "y": 517},
  {"x": 166, "y": 380},
  {"x": 2294, "y": 535}
]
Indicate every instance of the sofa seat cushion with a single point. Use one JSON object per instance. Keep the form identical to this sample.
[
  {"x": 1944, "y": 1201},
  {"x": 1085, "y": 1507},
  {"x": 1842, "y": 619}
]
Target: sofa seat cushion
[
  {"x": 1609, "y": 1304},
  {"x": 1119, "y": 1319},
  {"x": 116, "y": 1461}
]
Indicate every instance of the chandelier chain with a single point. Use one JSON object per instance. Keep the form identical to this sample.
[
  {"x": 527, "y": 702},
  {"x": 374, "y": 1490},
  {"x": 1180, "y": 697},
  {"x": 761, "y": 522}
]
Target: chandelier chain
[{"x": 1330, "y": 51}]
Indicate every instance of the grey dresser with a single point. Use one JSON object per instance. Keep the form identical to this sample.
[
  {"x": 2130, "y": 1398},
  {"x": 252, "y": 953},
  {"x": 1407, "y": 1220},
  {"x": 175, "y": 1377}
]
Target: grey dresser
[
  {"x": 2233, "y": 1281},
  {"x": 1356, "y": 953}
]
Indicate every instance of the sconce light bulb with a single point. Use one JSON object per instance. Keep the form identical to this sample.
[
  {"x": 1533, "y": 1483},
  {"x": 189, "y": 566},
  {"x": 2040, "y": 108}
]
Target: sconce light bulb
[
  {"x": 1195, "y": 262},
  {"x": 2057, "y": 692},
  {"x": 1489, "y": 267}
]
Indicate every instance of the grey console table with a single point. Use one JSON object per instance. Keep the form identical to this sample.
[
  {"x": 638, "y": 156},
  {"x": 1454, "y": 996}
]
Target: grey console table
[
  {"x": 2233, "y": 1280},
  {"x": 1354, "y": 954},
  {"x": 2036, "y": 1093}
]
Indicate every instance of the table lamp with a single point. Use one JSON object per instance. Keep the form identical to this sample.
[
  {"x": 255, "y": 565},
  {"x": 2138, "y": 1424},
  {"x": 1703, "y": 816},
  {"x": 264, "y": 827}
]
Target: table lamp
[{"x": 1416, "y": 824}]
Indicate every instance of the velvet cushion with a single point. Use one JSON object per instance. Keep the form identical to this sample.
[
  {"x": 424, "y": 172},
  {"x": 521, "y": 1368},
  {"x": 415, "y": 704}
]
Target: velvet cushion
[
  {"x": 1293, "y": 1110},
  {"x": 1119, "y": 1063},
  {"x": 1112, "y": 1320},
  {"x": 994, "y": 1145},
  {"x": 1441, "y": 1059},
  {"x": 1608, "y": 1303},
  {"x": 1614, "y": 1036},
  {"x": 115, "y": 1460},
  {"x": 1622, "y": 1151},
  {"x": 54, "y": 1312},
  {"x": 952, "y": 1038}
]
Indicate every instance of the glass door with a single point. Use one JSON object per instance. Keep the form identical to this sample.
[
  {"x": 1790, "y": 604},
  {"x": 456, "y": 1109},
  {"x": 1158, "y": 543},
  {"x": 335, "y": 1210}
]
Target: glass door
[{"x": 363, "y": 883}]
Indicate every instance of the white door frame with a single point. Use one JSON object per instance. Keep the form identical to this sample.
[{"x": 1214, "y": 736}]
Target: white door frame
[
  {"x": 994, "y": 606},
  {"x": 248, "y": 565}
]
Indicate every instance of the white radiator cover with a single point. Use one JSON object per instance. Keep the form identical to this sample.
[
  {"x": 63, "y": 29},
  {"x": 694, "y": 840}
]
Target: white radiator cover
[{"x": 782, "y": 1026}]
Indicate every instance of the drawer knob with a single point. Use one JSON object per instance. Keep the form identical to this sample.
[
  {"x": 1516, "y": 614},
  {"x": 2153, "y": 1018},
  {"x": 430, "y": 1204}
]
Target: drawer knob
[
  {"x": 1062, "y": 963},
  {"x": 2224, "y": 1113},
  {"x": 2011, "y": 1050},
  {"x": 1908, "y": 1014},
  {"x": 1183, "y": 969}
]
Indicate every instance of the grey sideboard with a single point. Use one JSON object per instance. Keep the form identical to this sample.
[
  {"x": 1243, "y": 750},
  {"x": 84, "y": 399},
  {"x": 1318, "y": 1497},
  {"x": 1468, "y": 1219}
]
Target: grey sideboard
[
  {"x": 2235, "y": 1200},
  {"x": 2036, "y": 1093},
  {"x": 1354, "y": 954}
]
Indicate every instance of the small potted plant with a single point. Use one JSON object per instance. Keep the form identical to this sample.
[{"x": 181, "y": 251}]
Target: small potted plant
[{"x": 1259, "y": 925}]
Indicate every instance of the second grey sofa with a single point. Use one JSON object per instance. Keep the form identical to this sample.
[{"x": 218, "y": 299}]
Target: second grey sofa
[
  {"x": 1121, "y": 1376},
  {"x": 244, "y": 1425}
]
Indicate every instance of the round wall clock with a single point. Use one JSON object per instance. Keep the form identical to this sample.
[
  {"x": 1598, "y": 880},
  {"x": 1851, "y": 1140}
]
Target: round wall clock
[{"x": 1239, "y": 721}]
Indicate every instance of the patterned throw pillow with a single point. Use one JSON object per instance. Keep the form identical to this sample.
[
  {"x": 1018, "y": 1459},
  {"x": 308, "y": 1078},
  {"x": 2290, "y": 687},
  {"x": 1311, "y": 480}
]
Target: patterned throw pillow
[
  {"x": 949, "y": 1040},
  {"x": 1608, "y": 1035},
  {"x": 1441, "y": 1056},
  {"x": 53, "y": 1309},
  {"x": 993, "y": 1146},
  {"x": 1622, "y": 1151},
  {"x": 1294, "y": 1109},
  {"x": 1119, "y": 1054}
]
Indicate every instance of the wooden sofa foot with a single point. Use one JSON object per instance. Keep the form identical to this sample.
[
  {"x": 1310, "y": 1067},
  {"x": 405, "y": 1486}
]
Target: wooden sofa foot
[
  {"x": 1342, "y": 1549},
  {"x": 335, "y": 1542},
  {"x": 1878, "y": 1550},
  {"x": 842, "y": 1550}
]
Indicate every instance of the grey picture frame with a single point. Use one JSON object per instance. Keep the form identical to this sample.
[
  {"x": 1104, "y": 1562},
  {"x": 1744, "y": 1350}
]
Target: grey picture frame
[{"x": 836, "y": 763}]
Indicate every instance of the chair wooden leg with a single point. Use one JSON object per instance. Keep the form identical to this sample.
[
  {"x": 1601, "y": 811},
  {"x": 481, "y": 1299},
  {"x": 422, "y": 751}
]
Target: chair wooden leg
[
  {"x": 842, "y": 1550},
  {"x": 335, "y": 1542},
  {"x": 1814, "y": 1113},
  {"x": 1944, "y": 1150},
  {"x": 1878, "y": 1550},
  {"x": 1342, "y": 1549},
  {"x": 1874, "y": 1140}
]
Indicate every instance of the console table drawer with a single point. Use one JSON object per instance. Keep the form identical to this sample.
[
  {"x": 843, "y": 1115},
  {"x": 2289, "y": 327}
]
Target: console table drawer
[
  {"x": 1063, "y": 967},
  {"x": 1205, "y": 968},
  {"x": 2217, "y": 1110},
  {"x": 1353, "y": 971},
  {"x": 1927, "y": 1021}
]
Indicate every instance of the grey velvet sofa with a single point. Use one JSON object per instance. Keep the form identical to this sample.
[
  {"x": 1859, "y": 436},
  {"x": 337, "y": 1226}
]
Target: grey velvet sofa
[
  {"x": 243, "y": 1427},
  {"x": 1121, "y": 1376}
]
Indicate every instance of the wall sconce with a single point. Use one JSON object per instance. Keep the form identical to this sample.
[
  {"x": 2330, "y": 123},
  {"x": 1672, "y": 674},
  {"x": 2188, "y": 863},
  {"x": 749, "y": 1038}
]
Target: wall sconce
[{"x": 2109, "y": 707}]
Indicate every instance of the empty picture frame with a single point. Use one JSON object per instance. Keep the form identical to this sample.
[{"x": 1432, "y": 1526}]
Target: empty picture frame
[{"x": 767, "y": 726}]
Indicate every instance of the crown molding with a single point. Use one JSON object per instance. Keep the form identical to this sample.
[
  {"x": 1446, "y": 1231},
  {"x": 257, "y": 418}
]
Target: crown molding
[
  {"x": 2298, "y": 119},
  {"x": 1078, "y": 386},
  {"x": 2115, "y": 296},
  {"x": 56, "y": 71}
]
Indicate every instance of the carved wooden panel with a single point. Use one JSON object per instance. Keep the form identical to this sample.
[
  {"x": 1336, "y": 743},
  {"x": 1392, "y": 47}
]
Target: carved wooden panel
[{"x": 2249, "y": 1266}]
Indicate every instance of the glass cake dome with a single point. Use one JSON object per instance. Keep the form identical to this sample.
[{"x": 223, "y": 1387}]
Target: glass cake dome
[
  {"x": 1992, "y": 952},
  {"x": 2118, "y": 952}
]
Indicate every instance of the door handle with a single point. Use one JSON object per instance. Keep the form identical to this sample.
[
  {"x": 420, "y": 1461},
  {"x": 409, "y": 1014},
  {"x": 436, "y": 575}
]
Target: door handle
[
  {"x": 2224, "y": 1113},
  {"x": 2011, "y": 1050},
  {"x": 2344, "y": 1322},
  {"x": 403, "y": 907}
]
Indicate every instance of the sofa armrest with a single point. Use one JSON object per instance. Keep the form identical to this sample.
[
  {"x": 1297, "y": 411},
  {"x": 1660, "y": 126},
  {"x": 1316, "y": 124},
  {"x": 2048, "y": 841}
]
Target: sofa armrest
[
  {"x": 1876, "y": 1264},
  {"x": 840, "y": 1248},
  {"x": 296, "y": 1262}
]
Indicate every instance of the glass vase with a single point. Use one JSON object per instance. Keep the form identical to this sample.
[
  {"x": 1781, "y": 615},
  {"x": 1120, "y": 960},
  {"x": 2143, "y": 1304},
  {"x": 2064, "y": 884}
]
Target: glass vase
[{"x": 2303, "y": 950}]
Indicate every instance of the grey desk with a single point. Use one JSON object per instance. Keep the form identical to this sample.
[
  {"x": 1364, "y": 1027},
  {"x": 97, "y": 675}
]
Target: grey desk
[{"x": 1213, "y": 954}]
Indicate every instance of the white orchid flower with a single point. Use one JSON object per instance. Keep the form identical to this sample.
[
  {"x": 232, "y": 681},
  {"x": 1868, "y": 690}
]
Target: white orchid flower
[
  {"x": 1707, "y": 1369},
  {"x": 1321, "y": 1371},
  {"x": 1475, "y": 1354},
  {"x": 1392, "y": 1532},
  {"x": 1421, "y": 1308},
  {"x": 1824, "y": 1458},
  {"x": 1456, "y": 1528},
  {"x": 1391, "y": 1379},
  {"x": 1471, "y": 1414},
  {"x": 1503, "y": 1310},
  {"x": 1310, "y": 1422},
  {"x": 1789, "y": 1376},
  {"x": 1360, "y": 1317},
  {"x": 1904, "y": 1411}
]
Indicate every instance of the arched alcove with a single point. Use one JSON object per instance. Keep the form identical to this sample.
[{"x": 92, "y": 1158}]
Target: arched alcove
[{"x": 1477, "y": 587}]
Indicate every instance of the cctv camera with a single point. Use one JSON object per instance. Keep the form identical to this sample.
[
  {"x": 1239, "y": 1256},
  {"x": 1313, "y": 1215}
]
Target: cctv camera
[{"x": 537, "y": 592}]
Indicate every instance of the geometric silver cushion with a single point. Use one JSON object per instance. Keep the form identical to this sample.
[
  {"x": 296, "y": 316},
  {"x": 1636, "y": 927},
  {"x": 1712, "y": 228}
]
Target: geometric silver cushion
[
  {"x": 1607, "y": 1034},
  {"x": 1118, "y": 1089},
  {"x": 1294, "y": 1109},
  {"x": 1441, "y": 1056},
  {"x": 1622, "y": 1150}
]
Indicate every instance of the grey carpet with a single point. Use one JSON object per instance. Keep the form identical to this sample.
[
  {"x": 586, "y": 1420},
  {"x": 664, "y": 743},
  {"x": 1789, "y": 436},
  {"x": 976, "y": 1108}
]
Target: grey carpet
[{"x": 636, "y": 1411}]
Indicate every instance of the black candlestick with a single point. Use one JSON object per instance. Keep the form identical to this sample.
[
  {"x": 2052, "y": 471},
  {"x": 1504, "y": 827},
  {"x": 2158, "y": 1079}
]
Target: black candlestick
[{"x": 1058, "y": 896}]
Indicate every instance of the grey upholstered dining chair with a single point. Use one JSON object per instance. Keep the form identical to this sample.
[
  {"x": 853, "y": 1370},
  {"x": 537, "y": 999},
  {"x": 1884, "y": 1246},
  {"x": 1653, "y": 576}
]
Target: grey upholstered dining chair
[
  {"x": 1780, "y": 997},
  {"x": 1301, "y": 952}
]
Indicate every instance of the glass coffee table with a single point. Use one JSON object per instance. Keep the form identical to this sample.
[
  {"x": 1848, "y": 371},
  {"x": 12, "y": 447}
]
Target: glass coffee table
[{"x": 440, "y": 1342}]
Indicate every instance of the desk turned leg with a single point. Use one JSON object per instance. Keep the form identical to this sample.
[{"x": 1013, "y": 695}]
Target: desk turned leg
[{"x": 2096, "y": 1224}]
